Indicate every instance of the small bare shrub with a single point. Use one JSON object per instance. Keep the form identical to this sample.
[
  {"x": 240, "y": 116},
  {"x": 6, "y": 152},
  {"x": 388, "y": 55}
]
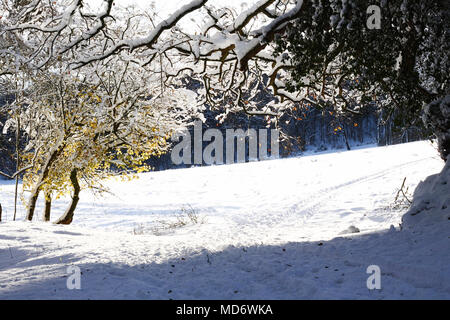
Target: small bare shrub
[
  {"x": 139, "y": 229},
  {"x": 402, "y": 198},
  {"x": 186, "y": 216}
]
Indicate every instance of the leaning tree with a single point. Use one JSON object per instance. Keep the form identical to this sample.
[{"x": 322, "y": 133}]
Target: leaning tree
[
  {"x": 85, "y": 127},
  {"x": 80, "y": 124}
]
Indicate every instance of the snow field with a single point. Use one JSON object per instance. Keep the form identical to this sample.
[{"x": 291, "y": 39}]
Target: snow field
[{"x": 276, "y": 229}]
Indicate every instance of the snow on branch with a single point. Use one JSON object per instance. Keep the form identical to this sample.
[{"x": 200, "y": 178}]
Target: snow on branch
[
  {"x": 232, "y": 55},
  {"x": 150, "y": 39}
]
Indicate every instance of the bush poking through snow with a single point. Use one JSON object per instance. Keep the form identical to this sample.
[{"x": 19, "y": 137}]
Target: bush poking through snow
[
  {"x": 187, "y": 216},
  {"x": 191, "y": 213},
  {"x": 351, "y": 229},
  {"x": 138, "y": 229},
  {"x": 402, "y": 198}
]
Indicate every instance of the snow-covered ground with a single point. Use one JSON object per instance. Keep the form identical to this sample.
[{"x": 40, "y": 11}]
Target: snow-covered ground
[{"x": 277, "y": 229}]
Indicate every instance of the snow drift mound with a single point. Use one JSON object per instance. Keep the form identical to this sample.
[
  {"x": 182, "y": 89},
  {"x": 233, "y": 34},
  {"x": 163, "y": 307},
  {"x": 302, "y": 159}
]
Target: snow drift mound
[{"x": 431, "y": 203}]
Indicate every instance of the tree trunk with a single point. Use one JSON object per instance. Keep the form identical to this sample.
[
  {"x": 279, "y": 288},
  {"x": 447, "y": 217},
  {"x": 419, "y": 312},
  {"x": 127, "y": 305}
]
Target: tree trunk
[
  {"x": 48, "y": 206},
  {"x": 44, "y": 174},
  {"x": 17, "y": 166},
  {"x": 0, "y": 212},
  {"x": 346, "y": 138},
  {"x": 32, "y": 203},
  {"x": 344, "y": 131},
  {"x": 68, "y": 215}
]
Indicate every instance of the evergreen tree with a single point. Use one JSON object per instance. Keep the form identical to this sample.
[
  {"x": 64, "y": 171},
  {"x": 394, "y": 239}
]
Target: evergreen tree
[{"x": 344, "y": 59}]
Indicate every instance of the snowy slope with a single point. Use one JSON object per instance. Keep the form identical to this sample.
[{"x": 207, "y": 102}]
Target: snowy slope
[{"x": 275, "y": 229}]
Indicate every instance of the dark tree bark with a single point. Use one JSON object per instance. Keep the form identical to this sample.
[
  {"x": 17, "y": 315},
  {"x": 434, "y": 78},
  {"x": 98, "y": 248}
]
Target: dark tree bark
[
  {"x": 48, "y": 207},
  {"x": 68, "y": 215},
  {"x": 346, "y": 138},
  {"x": 341, "y": 123},
  {"x": 0, "y": 212},
  {"x": 44, "y": 174},
  {"x": 32, "y": 203}
]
